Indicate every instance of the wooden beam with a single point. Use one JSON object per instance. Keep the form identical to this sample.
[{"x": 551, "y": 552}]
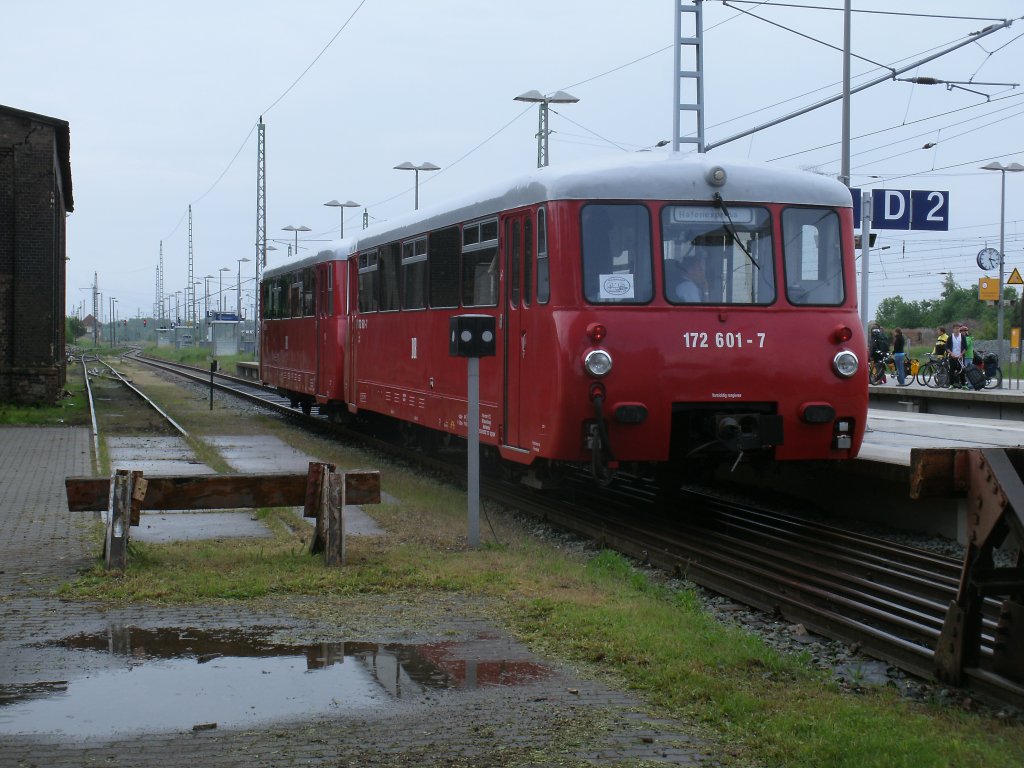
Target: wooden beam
[{"x": 92, "y": 494}]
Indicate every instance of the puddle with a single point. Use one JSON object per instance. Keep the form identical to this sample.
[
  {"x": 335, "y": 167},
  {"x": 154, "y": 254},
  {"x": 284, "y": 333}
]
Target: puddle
[{"x": 173, "y": 679}]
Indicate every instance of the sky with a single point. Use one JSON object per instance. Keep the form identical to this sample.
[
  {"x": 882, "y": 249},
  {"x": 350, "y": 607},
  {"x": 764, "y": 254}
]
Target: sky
[{"x": 163, "y": 99}]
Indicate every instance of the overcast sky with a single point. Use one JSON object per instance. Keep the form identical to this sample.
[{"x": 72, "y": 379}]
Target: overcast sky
[{"x": 162, "y": 100}]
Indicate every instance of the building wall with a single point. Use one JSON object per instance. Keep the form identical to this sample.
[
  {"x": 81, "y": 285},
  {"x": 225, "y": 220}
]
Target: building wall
[{"x": 32, "y": 252}]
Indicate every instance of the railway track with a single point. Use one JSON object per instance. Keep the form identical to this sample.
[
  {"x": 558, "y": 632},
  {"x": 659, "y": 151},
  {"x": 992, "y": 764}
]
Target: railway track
[{"x": 889, "y": 600}]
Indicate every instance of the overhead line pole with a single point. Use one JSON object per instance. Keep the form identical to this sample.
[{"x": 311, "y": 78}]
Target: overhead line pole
[
  {"x": 844, "y": 165},
  {"x": 891, "y": 75}
]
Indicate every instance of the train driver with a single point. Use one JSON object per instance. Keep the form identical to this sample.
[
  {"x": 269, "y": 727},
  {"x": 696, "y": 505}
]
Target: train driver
[{"x": 692, "y": 286}]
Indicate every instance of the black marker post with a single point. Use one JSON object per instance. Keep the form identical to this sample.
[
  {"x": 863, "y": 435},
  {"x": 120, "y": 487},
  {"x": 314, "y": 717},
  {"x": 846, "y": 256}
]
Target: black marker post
[{"x": 472, "y": 337}]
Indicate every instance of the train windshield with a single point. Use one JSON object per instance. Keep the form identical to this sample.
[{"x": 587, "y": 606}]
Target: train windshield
[
  {"x": 617, "y": 254},
  {"x": 717, "y": 255},
  {"x": 812, "y": 251}
]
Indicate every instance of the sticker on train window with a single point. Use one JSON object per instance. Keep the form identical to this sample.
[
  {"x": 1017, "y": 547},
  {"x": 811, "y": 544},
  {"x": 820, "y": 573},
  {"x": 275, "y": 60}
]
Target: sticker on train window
[
  {"x": 684, "y": 213},
  {"x": 616, "y": 286}
]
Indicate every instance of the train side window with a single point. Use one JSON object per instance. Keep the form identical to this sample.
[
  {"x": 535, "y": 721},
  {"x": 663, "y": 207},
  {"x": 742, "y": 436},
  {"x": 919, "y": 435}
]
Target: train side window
[
  {"x": 813, "y": 257},
  {"x": 480, "y": 264},
  {"x": 514, "y": 260},
  {"x": 543, "y": 271},
  {"x": 308, "y": 292},
  {"x": 388, "y": 264},
  {"x": 616, "y": 243},
  {"x": 368, "y": 282},
  {"x": 295, "y": 294},
  {"x": 329, "y": 290},
  {"x": 527, "y": 259},
  {"x": 443, "y": 267},
  {"x": 284, "y": 297},
  {"x": 414, "y": 273}
]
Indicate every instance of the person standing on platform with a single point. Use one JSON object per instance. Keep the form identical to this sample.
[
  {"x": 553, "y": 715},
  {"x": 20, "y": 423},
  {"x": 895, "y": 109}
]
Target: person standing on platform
[
  {"x": 899, "y": 356},
  {"x": 941, "y": 343},
  {"x": 969, "y": 353},
  {"x": 955, "y": 349}
]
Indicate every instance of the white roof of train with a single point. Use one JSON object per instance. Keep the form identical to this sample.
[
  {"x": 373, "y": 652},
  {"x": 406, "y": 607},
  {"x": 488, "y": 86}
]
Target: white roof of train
[{"x": 632, "y": 176}]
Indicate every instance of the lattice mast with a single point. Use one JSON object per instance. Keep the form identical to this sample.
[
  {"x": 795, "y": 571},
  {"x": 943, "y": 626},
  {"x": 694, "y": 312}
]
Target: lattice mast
[
  {"x": 159, "y": 309},
  {"x": 261, "y": 221},
  {"x": 689, "y": 82},
  {"x": 190, "y": 289},
  {"x": 95, "y": 308}
]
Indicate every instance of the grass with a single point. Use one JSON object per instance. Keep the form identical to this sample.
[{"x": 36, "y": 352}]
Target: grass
[
  {"x": 197, "y": 356},
  {"x": 594, "y": 609},
  {"x": 72, "y": 410}
]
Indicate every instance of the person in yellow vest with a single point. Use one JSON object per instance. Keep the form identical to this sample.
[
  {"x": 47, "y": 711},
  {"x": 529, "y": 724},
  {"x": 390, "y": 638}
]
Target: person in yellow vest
[{"x": 941, "y": 342}]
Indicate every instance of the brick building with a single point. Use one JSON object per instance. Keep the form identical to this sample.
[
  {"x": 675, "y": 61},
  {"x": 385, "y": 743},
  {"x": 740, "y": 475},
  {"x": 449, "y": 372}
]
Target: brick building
[{"x": 35, "y": 197}]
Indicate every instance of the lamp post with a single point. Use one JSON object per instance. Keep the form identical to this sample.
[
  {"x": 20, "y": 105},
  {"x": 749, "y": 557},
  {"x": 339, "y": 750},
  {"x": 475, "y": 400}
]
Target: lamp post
[
  {"x": 1012, "y": 168},
  {"x": 220, "y": 289},
  {"x": 341, "y": 209},
  {"x": 407, "y": 166},
  {"x": 296, "y": 230},
  {"x": 195, "y": 305},
  {"x": 238, "y": 301},
  {"x": 536, "y": 97},
  {"x": 113, "y": 323},
  {"x": 206, "y": 305}
]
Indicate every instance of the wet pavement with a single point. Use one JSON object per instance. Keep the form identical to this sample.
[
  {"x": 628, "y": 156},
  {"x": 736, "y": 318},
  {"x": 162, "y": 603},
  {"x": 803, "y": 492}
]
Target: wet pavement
[{"x": 262, "y": 684}]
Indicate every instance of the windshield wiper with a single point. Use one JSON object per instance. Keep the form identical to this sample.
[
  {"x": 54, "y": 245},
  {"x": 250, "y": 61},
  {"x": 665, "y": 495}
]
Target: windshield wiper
[{"x": 731, "y": 229}]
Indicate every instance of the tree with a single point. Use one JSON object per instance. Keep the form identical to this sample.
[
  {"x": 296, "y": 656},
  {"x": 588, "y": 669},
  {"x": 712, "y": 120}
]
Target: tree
[
  {"x": 73, "y": 328},
  {"x": 894, "y": 312},
  {"x": 956, "y": 305}
]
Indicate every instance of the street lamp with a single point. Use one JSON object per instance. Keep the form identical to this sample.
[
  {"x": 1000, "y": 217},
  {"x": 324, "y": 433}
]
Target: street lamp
[
  {"x": 296, "y": 230},
  {"x": 536, "y": 97},
  {"x": 238, "y": 302},
  {"x": 195, "y": 305},
  {"x": 113, "y": 323},
  {"x": 206, "y": 305},
  {"x": 1012, "y": 168},
  {"x": 220, "y": 289},
  {"x": 407, "y": 166},
  {"x": 341, "y": 209}
]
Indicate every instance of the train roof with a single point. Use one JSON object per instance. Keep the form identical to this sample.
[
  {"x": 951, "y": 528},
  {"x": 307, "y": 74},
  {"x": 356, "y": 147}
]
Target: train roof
[{"x": 632, "y": 176}]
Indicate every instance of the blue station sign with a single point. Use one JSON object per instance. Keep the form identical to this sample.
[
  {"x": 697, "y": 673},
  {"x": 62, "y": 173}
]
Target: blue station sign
[{"x": 904, "y": 209}]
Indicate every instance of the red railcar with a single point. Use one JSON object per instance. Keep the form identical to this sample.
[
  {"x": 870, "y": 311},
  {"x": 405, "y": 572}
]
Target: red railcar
[{"x": 655, "y": 311}]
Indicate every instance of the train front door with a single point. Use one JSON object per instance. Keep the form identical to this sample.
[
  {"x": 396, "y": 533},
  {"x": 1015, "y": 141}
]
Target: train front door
[{"x": 515, "y": 348}]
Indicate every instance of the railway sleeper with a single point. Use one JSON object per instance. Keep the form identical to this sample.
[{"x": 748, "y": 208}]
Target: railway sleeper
[{"x": 991, "y": 481}]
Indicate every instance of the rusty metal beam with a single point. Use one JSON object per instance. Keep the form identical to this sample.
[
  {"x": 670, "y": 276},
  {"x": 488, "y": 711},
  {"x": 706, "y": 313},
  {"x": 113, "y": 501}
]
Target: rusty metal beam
[{"x": 995, "y": 510}]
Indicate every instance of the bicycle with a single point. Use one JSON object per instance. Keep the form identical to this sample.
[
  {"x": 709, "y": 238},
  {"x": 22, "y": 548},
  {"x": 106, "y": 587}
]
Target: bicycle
[
  {"x": 909, "y": 364},
  {"x": 990, "y": 367},
  {"x": 934, "y": 373},
  {"x": 880, "y": 370},
  {"x": 876, "y": 371}
]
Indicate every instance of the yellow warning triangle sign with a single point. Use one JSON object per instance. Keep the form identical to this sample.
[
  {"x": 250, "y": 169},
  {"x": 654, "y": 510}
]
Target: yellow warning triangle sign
[{"x": 1015, "y": 278}]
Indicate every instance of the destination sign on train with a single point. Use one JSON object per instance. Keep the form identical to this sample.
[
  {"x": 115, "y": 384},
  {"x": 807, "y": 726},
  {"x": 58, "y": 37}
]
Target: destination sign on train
[{"x": 904, "y": 209}]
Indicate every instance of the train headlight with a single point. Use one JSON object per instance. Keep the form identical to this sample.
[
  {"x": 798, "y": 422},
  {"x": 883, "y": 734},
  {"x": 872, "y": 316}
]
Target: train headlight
[
  {"x": 597, "y": 363},
  {"x": 845, "y": 363}
]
